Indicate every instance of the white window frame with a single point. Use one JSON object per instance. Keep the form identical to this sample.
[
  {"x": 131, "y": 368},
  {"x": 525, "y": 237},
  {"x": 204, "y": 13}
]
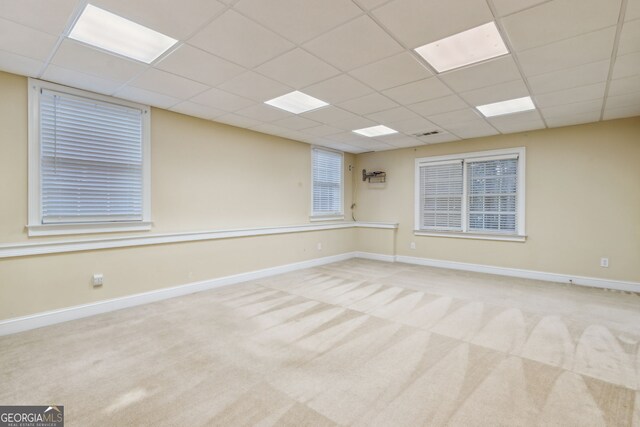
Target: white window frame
[
  {"x": 519, "y": 236},
  {"x": 327, "y": 217},
  {"x": 35, "y": 227}
]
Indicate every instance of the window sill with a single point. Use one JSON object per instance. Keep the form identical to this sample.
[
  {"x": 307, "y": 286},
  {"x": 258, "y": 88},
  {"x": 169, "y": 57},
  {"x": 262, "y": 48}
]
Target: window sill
[
  {"x": 326, "y": 218},
  {"x": 477, "y": 236},
  {"x": 87, "y": 228}
]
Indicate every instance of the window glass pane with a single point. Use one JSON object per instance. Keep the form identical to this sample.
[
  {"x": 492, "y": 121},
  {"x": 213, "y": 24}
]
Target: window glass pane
[
  {"x": 492, "y": 198},
  {"x": 327, "y": 182},
  {"x": 441, "y": 196}
]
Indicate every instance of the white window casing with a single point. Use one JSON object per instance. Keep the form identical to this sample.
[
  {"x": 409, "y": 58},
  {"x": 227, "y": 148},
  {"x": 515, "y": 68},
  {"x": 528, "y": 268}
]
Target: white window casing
[
  {"x": 472, "y": 195},
  {"x": 89, "y": 162},
  {"x": 327, "y": 184}
]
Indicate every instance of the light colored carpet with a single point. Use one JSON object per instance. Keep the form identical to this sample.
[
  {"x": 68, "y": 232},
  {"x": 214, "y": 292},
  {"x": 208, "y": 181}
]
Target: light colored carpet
[{"x": 353, "y": 343}]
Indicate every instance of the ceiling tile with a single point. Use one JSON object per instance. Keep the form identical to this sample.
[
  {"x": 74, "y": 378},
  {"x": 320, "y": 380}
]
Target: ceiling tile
[
  {"x": 439, "y": 105},
  {"x": 633, "y": 10},
  {"x": 329, "y": 115},
  {"x": 626, "y": 66},
  {"x": 163, "y": 15},
  {"x": 594, "y": 105},
  {"x": 591, "y": 47},
  {"x": 255, "y": 86},
  {"x": 144, "y": 96},
  {"x": 629, "y": 37},
  {"x": 17, "y": 64},
  {"x": 370, "y": 144},
  {"x": 368, "y": 104},
  {"x": 496, "y": 93},
  {"x": 559, "y": 19},
  {"x": 576, "y": 119},
  {"x": 568, "y": 96},
  {"x": 581, "y": 75},
  {"x": 296, "y": 123},
  {"x": 455, "y": 117},
  {"x": 296, "y": 20},
  {"x": 222, "y": 100},
  {"x": 168, "y": 84},
  {"x": 236, "y": 120},
  {"x": 421, "y": 90},
  {"x": 393, "y": 115},
  {"x": 25, "y": 41},
  {"x": 196, "y": 110},
  {"x": 438, "y": 138},
  {"x": 79, "y": 57},
  {"x": 240, "y": 40},
  {"x": 413, "y": 126},
  {"x": 518, "y": 122},
  {"x": 354, "y": 123},
  {"x": 297, "y": 68},
  {"x": 394, "y": 71},
  {"x": 322, "y": 130},
  {"x": 195, "y": 64},
  {"x": 400, "y": 141},
  {"x": 499, "y": 70},
  {"x": 354, "y": 44},
  {"x": 263, "y": 112},
  {"x": 337, "y": 89},
  {"x": 474, "y": 129},
  {"x": 619, "y": 113},
  {"x": 624, "y": 86},
  {"x": 80, "y": 80},
  {"x": 627, "y": 100},
  {"x": 35, "y": 14},
  {"x": 507, "y": 7},
  {"x": 340, "y": 146},
  {"x": 418, "y": 22}
]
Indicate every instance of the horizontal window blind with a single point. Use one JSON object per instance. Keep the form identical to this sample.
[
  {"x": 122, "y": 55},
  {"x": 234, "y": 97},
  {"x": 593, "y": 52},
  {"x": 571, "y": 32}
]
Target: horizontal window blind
[
  {"x": 492, "y": 188},
  {"x": 441, "y": 186},
  {"x": 327, "y": 182},
  {"x": 91, "y": 160}
]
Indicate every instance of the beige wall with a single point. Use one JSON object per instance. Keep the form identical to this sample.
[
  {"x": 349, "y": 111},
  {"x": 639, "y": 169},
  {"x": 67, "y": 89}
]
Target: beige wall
[
  {"x": 205, "y": 176},
  {"x": 582, "y": 201}
]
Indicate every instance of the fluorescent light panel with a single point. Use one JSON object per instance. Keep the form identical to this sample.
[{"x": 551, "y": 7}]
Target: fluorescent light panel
[
  {"x": 507, "y": 107},
  {"x": 113, "y": 33},
  {"x": 372, "y": 131},
  {"x": 296, "y": 102},
  {"x": 468, "y": 47}
]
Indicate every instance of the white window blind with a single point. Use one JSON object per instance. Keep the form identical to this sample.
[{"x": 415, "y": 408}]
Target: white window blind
[
  {"x": 441, "y": 195},
  {"x": 91, "y": 167},
  {"x": 327, "y": 182},
  {"x": 492, "y": 187}
]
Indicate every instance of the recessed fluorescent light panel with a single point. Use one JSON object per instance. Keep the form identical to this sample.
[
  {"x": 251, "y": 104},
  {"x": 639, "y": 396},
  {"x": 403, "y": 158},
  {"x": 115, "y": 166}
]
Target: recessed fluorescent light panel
[
  {"x": 111, "y": 32},
  {"x": 379, "y": 130},
  {"x": 296, "y": 102},
  {"x": 468, "y": 47},
  {"x": 507, "y": 107}
]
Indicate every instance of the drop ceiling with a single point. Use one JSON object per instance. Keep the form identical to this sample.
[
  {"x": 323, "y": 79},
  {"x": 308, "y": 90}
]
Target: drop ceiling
[{"x": 579, "y": 60}]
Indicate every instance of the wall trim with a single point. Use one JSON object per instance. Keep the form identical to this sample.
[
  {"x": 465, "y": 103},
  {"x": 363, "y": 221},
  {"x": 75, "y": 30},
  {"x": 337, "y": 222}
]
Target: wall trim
[
  {"x": 38, "y": 320},
  {"x": 374, "y": 256},
  {"x": 593, "y": 282},
  {"x": 9, "y": 250}
]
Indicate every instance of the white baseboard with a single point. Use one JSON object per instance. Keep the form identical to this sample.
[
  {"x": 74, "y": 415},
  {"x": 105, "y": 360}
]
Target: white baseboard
[
  {"x": 526, "y": 274},
  {"x": 25, "y": 323},
  {"x": 375, "y": 256}
]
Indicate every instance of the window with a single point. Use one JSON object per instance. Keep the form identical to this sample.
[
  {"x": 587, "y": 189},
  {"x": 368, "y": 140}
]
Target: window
[
  {"x": 478, "y": 194},
  {"x": 326, "y": 184},
  {"x": 88, "y": 162}
]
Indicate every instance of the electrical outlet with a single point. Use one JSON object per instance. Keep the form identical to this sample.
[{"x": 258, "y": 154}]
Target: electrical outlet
[
  {"x": 604, "y": 262},
  {"x": 319, "y": 246},
  {"x": 98, "y": 279},
  {"x": 412, "y": 245}
]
